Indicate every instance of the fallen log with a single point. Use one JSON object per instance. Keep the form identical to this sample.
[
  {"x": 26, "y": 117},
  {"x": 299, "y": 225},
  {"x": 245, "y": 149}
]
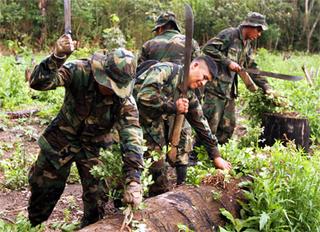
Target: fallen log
[
  {"x": 22, "y": 113},
  {"x": 194, "y": 207}
]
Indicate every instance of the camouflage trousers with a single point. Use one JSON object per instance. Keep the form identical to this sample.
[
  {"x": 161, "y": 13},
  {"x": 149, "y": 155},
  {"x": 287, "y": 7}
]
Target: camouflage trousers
[
  {"x": 47, "y": 184},
  {"x": 220, "y": 114},
  {"x": 159, "y": 168}
]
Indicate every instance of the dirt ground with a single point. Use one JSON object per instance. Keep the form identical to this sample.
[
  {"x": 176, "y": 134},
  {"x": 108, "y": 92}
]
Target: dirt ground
[{"x": 25, "y": 131}]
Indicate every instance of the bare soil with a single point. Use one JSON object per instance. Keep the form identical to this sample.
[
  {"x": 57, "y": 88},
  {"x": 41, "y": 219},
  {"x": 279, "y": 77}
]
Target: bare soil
[{"x": 25, "y": 131}]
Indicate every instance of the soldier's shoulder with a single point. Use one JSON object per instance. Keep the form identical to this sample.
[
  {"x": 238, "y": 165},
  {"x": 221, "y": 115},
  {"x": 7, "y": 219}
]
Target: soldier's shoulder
[
  {"x": 231, "y": 31},
  {"x": 80, "y": 70},
  {"x": 165, "y": 66}
]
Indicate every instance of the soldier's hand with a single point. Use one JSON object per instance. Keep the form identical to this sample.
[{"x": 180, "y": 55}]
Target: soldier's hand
[
  {"x": 64, "y": 46},
  {"x": 235, "y": 67},
  {"x": 220, "y": 163},
  {"x": 133, "y": 194},
  {"x": 182, "y": 105}
]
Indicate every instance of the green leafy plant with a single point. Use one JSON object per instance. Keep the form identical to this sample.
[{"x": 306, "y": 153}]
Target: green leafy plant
[
  {"x": 15, "y": 168},
  {"x": 21, "y": 224}
]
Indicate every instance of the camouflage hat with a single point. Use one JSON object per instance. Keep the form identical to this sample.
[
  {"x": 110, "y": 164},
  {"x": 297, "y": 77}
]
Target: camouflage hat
[
  {"x": 116, "y": 70},
  {"x": 255, "y": 19},
  {"x": 165, "y": 18}
]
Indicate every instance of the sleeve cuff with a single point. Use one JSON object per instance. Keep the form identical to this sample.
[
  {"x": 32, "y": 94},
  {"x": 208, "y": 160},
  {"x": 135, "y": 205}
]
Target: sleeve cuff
[
  {"x": 170, "y": 108},
  {"x": 214, "y": 153},
  {"x": 58, "y": 61}
]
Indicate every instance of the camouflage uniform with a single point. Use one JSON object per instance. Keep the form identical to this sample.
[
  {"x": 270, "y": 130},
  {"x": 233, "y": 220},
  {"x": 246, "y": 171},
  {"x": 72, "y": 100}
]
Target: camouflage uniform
[
  {"x": 156, "y": 105},
  {"x": 75, "y": 135},
  {"x": 220, "y": 93},
  {"x": 169, "y": 45}
]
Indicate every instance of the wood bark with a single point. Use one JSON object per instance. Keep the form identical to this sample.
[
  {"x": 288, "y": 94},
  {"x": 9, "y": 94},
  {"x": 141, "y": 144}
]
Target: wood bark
[
  {"x": 285, "y": 128},
  {"x": 191, "y": 206}
]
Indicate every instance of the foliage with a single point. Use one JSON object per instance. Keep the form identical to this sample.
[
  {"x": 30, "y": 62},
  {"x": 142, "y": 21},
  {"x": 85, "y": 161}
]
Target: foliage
[
  {"x": 38, "y": 24},
  {"x": 21, "y": 224},
  {"x": 110, "y": 170},
  {"x": 15, "y": 168},
  {"x": 284, "y": 192},
  {"x": 298, "y": 96},
  {"x": 204, "y": 167}
]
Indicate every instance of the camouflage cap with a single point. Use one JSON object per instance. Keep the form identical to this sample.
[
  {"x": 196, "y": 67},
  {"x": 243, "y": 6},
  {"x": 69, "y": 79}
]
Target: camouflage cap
[
  {"x": 212, "y": 65},
  {"x": 255, "y": 19},
  {"x": 116, "y": 70},
  {"x": 165, "y": 18}
]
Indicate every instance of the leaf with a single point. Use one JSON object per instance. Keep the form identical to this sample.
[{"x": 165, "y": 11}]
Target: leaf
[
  {"x": 228, "y": 215},
  {"x": 222, "y": 229},
  {"x": 263, "y": 220}
]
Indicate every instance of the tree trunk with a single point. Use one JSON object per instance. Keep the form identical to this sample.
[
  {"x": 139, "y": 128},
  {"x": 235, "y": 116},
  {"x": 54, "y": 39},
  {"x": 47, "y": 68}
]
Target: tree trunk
[
  {"x": 285, "y": 127},
  {"x": 193, "y": 207}
]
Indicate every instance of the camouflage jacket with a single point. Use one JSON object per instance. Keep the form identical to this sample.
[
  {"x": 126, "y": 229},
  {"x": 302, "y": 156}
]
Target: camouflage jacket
[
  {"x": 228, "y": 46},
  {"x": 86, "y": 116},
  {"x": 168, "y": 46},
  {"x": 155, "y": 101}
]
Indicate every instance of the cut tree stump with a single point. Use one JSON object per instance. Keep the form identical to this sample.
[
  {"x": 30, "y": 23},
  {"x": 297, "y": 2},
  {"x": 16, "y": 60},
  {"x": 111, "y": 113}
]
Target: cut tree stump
[
  {"x": 191, "y": 206},
  {"x": 285, "y": 127}
]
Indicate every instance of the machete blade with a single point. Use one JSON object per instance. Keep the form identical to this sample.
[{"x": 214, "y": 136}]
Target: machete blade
[
  {"x": 67, "y": 16},
  {"x": 274, "y": 75},
  {"x": 188, "y": 44}
]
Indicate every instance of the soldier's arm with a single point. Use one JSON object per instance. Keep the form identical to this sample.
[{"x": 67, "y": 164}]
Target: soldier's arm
[
  {"x": 200, "y": 124},
  {"x": 131, "y": 140},
  {"x": 260, "y": 81},
  {"x": 50, "y": 74},
  {"x": 151, "y": 98},
  {"x": 217, "y": 48}
]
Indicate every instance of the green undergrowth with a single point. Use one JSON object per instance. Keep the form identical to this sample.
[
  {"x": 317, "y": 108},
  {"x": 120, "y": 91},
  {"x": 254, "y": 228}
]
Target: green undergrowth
[
  {"x": 294, "y": 96},
  {"x": 284, "y": 194}
]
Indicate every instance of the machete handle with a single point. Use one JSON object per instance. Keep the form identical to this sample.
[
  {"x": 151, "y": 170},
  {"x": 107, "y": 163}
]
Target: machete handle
[{"x": 251, "y": 86}]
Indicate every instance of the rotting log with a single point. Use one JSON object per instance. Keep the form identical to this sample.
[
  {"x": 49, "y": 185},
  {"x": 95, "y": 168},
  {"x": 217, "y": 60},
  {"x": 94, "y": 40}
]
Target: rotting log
[
  {"x": 191, "y": 206},
  {"x": 285, "y": 127},
  {"x": 22, "y": 113}
]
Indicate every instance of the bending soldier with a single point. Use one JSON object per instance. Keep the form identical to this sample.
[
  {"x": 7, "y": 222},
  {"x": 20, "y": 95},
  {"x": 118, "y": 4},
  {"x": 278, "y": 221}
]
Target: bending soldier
[
  {"x": 98, "y": 94},
  {"x": 169, "y": 45},
  {"x": 156, "y": 103}
]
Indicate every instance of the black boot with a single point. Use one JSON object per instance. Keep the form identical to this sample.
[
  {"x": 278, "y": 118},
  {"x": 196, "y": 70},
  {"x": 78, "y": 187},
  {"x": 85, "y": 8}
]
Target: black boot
[
  {"x": 181, "y": 172},
  {"x": 193, "y": 159}
]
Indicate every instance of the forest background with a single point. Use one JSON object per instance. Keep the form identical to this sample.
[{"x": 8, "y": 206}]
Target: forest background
[{"x": 293, "y": 24}]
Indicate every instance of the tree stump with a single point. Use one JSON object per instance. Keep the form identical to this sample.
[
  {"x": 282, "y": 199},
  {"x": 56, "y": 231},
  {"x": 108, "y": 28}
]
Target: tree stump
[
  {"x": 194, "y": 207},
  {"x": 285, "y": 127}
]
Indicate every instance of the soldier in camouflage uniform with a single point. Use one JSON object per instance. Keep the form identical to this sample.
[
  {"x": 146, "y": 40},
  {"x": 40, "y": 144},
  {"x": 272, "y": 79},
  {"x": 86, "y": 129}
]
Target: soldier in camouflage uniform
[
  {"x": 98, "y": 94},
  {"x": 232, "y": 49},
  {"x": 168, "y": 44},
  {"x": 159, "y": 98}
]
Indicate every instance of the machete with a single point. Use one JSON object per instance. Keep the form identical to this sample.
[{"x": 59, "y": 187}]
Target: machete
[
  {"x": 67, "y": 16},
  {"x": 179, "y": 119},
  {"x": 274, "y": 75}
]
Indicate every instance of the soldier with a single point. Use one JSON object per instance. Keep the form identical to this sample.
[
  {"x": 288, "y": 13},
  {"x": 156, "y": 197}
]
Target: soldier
[
  {"x": 98, "y": 94},
  {"x": 232, "y": 49},
  {"x": 158, "y": 100},
  {"x": 168, "y": 44}
]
